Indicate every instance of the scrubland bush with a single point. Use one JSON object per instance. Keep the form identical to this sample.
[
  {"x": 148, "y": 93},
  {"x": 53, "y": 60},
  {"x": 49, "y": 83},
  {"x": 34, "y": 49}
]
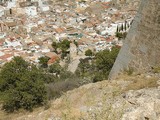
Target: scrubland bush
[{"x": 55, "y": 90}]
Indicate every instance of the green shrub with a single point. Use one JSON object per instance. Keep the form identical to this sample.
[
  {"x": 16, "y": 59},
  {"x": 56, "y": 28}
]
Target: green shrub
[
  {"x": 43, "y": 61},
  {"x": 156, "y": 69},
  {"x": 129, "y": 71},
  {"x": 98, "y": 77},
  {"x": 105, "y": 59},
  {"x": 120, "y": 35},
  {"x": 56, "y": 89},
  {"x": 55, "y": 68},
  {"x": 63, "y": 45},
  {"x": 97, "y": 68},
  {"x": 22, "y": 85},
  {"x": 88, "y": 52}
]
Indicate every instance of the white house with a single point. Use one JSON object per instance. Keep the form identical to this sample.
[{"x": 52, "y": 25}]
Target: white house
[
  {"x": 2, "y": 35},
  {"x": 30, "y": 26},
  {"x": 1, "y": 11},
  {"x": 31, "y": 10},
  {"x": 111, "y": 30},
  {"x": 12, "y": 44},
  {"x": 43, "y": 6},
  {"x": 82, "y": 4},
  {"x": 42, "y": 21},
  {"x": 11, "y": 4}
]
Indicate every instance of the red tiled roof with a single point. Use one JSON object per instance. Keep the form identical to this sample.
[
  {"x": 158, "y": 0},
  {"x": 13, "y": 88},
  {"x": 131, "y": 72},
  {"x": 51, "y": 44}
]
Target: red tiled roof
[
  {"x": 1, "y": 42},
  {"x": 53, "y": 59},
  {"x": 59, "y": 30},
  {"x": 4, "y": 57},
  {"x": 117, "y": 46},
  {"x": 51, "y": 54}
]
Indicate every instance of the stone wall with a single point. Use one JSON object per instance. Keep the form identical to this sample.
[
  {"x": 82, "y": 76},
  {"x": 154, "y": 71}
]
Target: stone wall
[{"x": 141, "y": 49}]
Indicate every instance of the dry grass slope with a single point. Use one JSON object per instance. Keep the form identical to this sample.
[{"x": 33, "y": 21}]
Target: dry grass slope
[{"x": 97, "y": 101}]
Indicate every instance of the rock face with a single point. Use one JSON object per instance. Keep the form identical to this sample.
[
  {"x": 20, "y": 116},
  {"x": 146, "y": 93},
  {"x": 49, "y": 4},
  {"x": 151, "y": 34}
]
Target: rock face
[
  {"x": 143, "y": 107},
  {"x": 141, "y": 50}
]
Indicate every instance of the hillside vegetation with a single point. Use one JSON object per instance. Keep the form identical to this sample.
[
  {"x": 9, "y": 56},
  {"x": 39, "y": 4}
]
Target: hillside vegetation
[
  {"x": 127, "y": 97},
  {"x": 27, "y": 86}
]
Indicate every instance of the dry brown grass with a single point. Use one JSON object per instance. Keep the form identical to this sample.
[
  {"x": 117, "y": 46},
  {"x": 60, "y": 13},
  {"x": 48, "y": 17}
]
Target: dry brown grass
[
  {"x": 67, "y": 106},
  {"x": 142, "y": 83},
  {"x": 139, "y": 81},
  {"x": 16, "y": 114}
]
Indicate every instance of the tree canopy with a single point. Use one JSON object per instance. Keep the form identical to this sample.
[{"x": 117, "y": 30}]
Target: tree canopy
[
  {"x": 88, "y": 52},
  {"x": 63, "y": 46},
  {"x": 22, "y": 85},
  {"x": 98, "y": 67},
  {"x": 55, "y": 68},
  {"x": 43, "y": 61}
]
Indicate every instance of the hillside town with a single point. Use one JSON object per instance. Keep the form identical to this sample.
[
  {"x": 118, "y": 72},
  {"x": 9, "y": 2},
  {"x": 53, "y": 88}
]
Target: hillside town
[{"x": 28, "y": 27}]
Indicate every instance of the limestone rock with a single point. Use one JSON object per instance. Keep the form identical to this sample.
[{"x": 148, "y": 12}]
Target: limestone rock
[{"x": 145, "y": 105}]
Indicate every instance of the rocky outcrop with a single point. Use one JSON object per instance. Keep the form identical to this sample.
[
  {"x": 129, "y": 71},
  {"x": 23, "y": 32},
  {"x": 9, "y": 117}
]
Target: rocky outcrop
[
  {"x": 145, "y": 105},
  {"x": 141, "y": 49}
]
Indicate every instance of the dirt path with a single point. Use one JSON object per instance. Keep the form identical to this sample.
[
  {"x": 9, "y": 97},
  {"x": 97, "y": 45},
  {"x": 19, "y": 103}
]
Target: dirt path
[{"x": 74, "y": 63}]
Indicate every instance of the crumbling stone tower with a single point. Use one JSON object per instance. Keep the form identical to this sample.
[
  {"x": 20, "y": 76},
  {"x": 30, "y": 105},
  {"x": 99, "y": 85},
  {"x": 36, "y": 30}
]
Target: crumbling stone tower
[{"x": 141, "y": 49}]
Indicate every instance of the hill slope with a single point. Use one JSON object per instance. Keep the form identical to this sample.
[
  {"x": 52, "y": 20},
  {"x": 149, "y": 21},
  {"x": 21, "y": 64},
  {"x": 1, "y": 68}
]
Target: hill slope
[
  {"x": 135, "y": 97},
  {"x": 126, "y": 98}
]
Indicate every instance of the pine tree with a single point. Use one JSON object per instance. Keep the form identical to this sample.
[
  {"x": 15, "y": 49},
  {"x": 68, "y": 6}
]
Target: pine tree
[
  {"x": 122, "y": 27},
  {"x": 128, "y": 25},
  {"x": 117, "y": 29},
  {"x": 125, "y": 25},
  {"x": 131, "y": 22}
]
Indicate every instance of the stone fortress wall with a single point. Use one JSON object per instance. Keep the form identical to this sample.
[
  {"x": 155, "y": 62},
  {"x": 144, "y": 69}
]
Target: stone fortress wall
[{"x": 141, "y": 49}]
